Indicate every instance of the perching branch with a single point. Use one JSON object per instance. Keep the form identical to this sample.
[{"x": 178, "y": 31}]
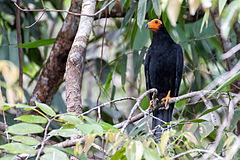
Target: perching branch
[{"x": 174, "y": 100}]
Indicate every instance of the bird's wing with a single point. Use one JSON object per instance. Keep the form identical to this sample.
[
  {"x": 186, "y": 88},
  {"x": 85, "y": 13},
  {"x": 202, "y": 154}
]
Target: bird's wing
[
  {"x": 179, "y": 68},
  {"x": 146, "y": 68}
]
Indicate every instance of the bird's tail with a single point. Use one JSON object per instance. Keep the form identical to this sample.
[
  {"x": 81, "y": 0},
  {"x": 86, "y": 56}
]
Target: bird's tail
[{"x": 164, "y": 115}]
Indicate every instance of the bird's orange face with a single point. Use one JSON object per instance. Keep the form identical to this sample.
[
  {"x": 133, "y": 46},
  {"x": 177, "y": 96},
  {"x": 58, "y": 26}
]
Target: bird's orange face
[{"x": 154, "y": 25}]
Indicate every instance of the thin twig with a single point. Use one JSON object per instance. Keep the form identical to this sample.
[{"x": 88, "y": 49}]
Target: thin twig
[
  {"x": 64, "y": 11},
  {"x": 146, "y": 117},
  {"x": 231, "y": 52},
  {"x": 20, "y": 51},
  {"x": 195, "y": 150},
  {"x": 36, "y": 21},
  {"x": 100, "y": 72},
  {"x": 107, "y": 103},
  {"x": 137, "y": 104},
  {"x": 44, "y": 138},
  {"x": 226, "y": 122},
  {"x": 209, "y": 105}
]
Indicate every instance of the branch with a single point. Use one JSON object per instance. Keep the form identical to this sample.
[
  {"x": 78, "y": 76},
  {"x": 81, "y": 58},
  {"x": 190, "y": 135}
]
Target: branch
[
  {"x": 107, "y": 103},
  {"x": 19, "y": 41},
  {"x": 226, "y": 122},
  {"x": 231, "y": 52},
  {"x": 53, "y": 71},
  {"x": 137, "y": 104},
  {"x": 64, "y": 11},
  {"x": 76, "y": 59},
  {"x": 175, "y": 100},
  {"x": 196, "y": 150},
  {"x": 44, "y": 139}
]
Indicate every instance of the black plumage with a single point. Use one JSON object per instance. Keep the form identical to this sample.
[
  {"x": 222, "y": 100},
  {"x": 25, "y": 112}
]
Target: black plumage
[{"x": 163, "y": 70}]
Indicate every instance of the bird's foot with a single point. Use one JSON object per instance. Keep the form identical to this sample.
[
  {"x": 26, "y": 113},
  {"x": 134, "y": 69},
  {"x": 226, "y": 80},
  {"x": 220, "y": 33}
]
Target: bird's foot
[
  {"x": 166, "y": 98},
  {"x": 150, "y": 105},
  {"x": 153, "y": 104}
]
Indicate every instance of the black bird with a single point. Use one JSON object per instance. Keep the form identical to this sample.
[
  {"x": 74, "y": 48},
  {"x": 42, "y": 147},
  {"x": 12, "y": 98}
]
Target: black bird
[{"x": 163, "y": 71}]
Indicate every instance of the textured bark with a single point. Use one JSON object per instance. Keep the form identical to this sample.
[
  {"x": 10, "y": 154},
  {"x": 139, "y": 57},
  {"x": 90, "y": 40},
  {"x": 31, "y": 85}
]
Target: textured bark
[
  {"x": 52, "y": 74},
  {"x": 76, "y": 59}
]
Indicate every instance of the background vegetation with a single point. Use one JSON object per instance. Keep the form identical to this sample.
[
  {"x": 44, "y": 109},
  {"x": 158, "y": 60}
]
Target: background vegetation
[{"x": 43, "y": 117}]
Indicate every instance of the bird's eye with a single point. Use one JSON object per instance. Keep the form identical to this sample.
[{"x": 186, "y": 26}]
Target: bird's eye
[{"x": 156, "y": 22}]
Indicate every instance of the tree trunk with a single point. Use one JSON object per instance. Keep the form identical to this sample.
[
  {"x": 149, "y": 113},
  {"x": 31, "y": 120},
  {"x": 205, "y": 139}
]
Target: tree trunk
[
  {"x": 52, "y": 74},
  {"x": 76, "y": 58}
]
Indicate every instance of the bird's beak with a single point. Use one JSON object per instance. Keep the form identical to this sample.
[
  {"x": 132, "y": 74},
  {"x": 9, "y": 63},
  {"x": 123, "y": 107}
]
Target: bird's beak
[{"x": 147, "y": 25}]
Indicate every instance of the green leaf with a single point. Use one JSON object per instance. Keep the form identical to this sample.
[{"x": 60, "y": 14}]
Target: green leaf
[
  {"x": 122, "y": 3},
  {"x": 210, "y": 110},
  {"x": 225, "y": 84},
  {"x": 85, "y": 128},
  {"x": 111, "y": 6},
  {"x": 71, "y": 152},
  {"x": 25, "y": 128},
  {"x": 53, "y": 154},
  {"x": 138, "y": 61},
  {"x": 221, "y": 4},
  {"x": 205, "y": 129},
  {"x": 107, "y": 126},
  {"x": 90, "y": 120},
  {"x": 192, "y": 127},
  {"x": 235, "y": 119},
  {"x": 97, "y": 129},
  {"x": 141, "y": 39},
  {"x": 31, "y": 119},
  {"x": 142, "y": 4},
  {"x": 157, "y": 7},
  {"x": 112, "y": 94},
  {"x": 25, "y": 107},
  {"x": 124, "y": 69},
  {"x": 119, "y": 154},
  {"x": 131, "y": 152},
  {"x": 229, "y": 17},
  {"x": 18, "y": 148},
  {"x": 108, "y": 81},
  {"x": 149, "y": 154},
  {"x": 191, "y": 137},
  {"x": 164, "y": 140},
  {"x": 65, "y": 132},
  {"x": 26, "y": 140},
  {"x": 129, "y": 15},
  {"x": 46, "y": 109},
  {"x": 38, "y": 43},
  {"x": 198, "y": 120},
  {"x": 71, "y": 119},
  {"x": 8, "y": 157}
]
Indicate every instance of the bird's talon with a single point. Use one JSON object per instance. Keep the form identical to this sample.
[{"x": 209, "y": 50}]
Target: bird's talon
[
  {"x": 150, "y": 105},
  {"x": 166, "y": 98}
]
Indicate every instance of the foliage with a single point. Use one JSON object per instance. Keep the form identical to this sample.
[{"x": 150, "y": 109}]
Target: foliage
[
  {"x": 195, "y": 125},
  {"x": 184, "y": 136}
]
